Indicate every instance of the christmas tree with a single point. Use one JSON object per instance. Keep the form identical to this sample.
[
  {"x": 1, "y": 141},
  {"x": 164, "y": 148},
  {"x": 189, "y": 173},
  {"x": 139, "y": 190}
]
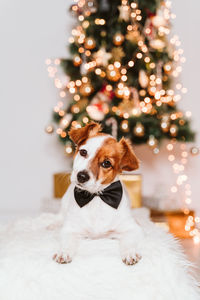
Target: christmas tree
[{"x": 123, "y": 72}]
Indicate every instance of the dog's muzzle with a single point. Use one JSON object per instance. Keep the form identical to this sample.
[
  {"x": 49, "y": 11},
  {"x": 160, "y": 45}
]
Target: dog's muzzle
[{"x": 83, "y": 176}]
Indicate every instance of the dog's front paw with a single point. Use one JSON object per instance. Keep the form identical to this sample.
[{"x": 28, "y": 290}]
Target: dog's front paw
[
  {"x": 131, "y": 258},
  {"x": 62, "y": 258}
]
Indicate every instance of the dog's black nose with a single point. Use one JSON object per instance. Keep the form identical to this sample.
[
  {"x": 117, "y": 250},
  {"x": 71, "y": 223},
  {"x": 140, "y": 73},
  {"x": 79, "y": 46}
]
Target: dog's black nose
[{"x": 83, "y": 176}]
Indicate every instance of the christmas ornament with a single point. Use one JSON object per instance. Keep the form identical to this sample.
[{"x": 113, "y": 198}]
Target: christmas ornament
[
  {"x": 98, "y": 106},
  {"x": 126, "y": 107},
  {"x": 133, "y": 36},
  {"x": 90, "y": 43},
  {"x": 106, "y": 93},
  {"x": 138, "y": 130},
  {"x": 195, "y": 151},
  {"x": 143, "y": 79},
  {"x": 157, "y": 44},
  {"x": 124, "y": 126},
  {"x": 113, "y": 73},
  {"x": 173, "y": 130},
  {"x": 77, "y": 61},
  {"x": 152, "y": 141},
  {"x": 158, "y": 21},
  {"x": 101, "y": 96},
  {"x": 65, "y": 121},
  {"x": 114, "y": 125},
  {"x": 118, "y": 39},
  {"x": 102, "y": 57},
  {"x": 117, "y": 53},
  {"x": 49, "y": 129},
  {"x": 124, "y": 12},
  {"x": 97, "y": 111},
  {"x": 86, "y": 89},
  {"x": 149, "y": 31}
]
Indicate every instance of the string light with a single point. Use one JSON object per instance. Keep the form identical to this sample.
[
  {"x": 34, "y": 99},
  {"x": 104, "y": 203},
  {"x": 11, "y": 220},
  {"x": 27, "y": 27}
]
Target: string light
[{"x": 182, "y": 183}]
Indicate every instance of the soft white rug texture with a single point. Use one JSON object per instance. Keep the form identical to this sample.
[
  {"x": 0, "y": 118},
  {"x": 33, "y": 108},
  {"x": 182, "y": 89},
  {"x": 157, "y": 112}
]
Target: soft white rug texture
[{"x": 27, "y": 271}]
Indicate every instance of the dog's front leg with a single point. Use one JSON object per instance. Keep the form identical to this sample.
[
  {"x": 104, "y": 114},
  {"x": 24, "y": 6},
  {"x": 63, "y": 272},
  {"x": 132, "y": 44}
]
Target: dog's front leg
[
  {"x": 128, "y": 241},
  {"x": 69, "y": 242}
]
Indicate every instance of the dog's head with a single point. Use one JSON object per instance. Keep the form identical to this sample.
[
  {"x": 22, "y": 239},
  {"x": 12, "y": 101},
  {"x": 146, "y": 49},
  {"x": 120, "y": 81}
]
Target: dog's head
[{"x": 99, "y": 157}]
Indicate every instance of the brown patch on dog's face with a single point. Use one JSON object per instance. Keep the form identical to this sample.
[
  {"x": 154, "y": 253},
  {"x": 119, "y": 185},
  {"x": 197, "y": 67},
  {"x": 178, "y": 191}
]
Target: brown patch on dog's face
[
  {"x": 105, "y": 164},
  {"x": 112, "y": 158},
  {"x": 80, "y": 135},
  {"x": 129, "y": 161}
]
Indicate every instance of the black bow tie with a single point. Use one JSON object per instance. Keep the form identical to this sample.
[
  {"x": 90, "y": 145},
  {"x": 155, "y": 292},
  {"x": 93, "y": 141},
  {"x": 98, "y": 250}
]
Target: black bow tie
[{"x": 112, "y": 195}]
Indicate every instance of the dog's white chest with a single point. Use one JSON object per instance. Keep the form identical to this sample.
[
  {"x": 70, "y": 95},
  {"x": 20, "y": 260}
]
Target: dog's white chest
[
  {"x": 98, "y": 217},
  {"x": 93, "y": 220}
]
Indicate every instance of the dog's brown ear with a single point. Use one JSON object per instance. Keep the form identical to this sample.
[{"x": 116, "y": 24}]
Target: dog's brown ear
[
  {"x": 78, "y": 135},
  {"x": 129, "y": 161}
]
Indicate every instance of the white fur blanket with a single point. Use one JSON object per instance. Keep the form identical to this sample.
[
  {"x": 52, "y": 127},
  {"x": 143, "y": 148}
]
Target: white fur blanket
[{"x": 27, "y": 271}]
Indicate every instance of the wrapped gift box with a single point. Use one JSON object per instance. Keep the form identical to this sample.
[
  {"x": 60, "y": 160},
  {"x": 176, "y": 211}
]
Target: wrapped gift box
[
  {"x": 176, "y": 221},
  {"x": 61, "y": 183},
  {"x": 133, "y": 184}
]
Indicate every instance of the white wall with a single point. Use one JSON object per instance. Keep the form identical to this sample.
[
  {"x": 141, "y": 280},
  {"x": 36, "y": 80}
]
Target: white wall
[{"x": 30, "y": 32}]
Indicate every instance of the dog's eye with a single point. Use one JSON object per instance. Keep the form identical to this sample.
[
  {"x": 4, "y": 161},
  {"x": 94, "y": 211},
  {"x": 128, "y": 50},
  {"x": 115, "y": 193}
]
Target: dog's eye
[
  {"x": 106, "y": 164},
  {"x": 83, "y": 152}
]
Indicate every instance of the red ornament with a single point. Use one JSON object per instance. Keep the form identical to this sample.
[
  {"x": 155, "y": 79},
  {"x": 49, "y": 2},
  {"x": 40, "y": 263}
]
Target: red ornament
[
  {"x": 109, "y": 94},
  {"x": 99, "y": 106},
  {"x": 150, "y": 13}
]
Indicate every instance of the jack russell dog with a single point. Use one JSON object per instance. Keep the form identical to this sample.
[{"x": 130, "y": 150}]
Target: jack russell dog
[{"x": 96, "y": 205}]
